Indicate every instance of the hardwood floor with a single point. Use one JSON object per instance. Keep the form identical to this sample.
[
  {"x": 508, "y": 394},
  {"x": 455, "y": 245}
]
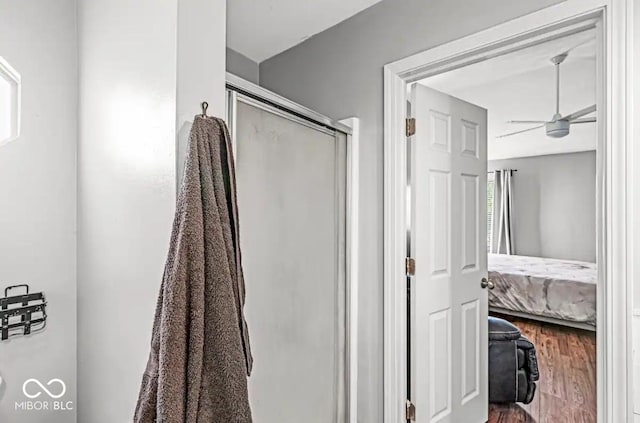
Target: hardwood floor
[{"x": 567, "y": 387}]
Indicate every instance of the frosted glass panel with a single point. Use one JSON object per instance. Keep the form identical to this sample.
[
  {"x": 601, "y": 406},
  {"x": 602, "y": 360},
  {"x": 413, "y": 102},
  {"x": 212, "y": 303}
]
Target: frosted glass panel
[
  {"x": 291, "y": 196},
  {"x": 9, "y": 102},
  {"x": 5, "y": 109}
]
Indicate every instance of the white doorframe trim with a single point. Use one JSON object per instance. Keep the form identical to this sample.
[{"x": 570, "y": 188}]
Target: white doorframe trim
[
  {"x": 614, "y": 180},
  {"x": 353, "y": 251}
]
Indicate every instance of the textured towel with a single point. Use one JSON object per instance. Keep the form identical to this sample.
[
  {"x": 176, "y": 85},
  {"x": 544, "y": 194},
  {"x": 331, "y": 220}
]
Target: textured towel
[{"x": 200, "y": 356}]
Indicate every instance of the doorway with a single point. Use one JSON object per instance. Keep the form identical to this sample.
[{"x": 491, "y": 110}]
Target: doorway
[
  {"x": 522, "y": 199},
  {"x": 613, "y": 309}
]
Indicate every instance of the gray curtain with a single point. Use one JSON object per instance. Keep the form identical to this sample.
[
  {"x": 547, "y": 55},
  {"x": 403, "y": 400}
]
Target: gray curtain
[{"x": 502, "y": 231}]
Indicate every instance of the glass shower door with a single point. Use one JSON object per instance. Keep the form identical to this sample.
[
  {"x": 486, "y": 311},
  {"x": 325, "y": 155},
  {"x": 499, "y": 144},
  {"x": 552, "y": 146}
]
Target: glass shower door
[{"x": 291, "y": 177}]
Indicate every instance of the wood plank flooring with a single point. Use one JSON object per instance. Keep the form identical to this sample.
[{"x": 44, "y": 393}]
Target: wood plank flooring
[{"x": 567, "y": 387}]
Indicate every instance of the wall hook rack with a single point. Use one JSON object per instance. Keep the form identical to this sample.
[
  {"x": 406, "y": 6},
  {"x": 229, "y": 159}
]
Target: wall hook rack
[{"x": 22, "y": 314}]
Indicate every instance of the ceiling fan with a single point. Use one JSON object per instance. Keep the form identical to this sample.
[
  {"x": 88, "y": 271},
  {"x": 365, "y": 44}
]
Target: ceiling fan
[{"x": 559, "y": 126}]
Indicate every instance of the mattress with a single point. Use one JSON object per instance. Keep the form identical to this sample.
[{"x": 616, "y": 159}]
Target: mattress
[{"x": 552, "y": 288}]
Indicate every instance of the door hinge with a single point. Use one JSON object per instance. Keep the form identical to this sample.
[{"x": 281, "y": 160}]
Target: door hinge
[
  {"x": 410, "y": 265},
  {"x": 411, "y": 126},
  {"x": 411, "y": 411}
]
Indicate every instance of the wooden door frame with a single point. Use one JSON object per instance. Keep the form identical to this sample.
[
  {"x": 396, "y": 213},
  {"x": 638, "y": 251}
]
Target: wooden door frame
[{"x": 613, "y": 19}]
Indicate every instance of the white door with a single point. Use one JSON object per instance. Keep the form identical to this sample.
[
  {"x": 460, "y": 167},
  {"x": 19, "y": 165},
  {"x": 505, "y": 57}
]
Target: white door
[{"x": 449, "y": 339}]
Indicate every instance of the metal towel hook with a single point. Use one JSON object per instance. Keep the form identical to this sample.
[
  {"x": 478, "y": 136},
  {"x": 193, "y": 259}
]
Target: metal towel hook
[{"x": 204, "y": 106}]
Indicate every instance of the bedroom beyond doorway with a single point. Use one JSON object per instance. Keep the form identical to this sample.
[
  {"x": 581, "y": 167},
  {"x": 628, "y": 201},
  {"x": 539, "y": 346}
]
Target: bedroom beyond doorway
[{"x": 541, "y": 219}]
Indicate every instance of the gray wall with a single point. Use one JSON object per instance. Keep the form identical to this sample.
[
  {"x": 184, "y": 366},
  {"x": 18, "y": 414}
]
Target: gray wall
[
  {"x": 240, "y": 65},
  {"x": 339, "y": 73},
  {"x": 38, "y": 198},
  {"x": 554, "y": 205}
]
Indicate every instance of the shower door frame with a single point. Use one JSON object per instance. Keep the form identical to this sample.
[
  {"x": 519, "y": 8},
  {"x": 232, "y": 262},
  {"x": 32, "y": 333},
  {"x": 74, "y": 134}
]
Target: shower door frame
[{"x": 238, "y": 89}]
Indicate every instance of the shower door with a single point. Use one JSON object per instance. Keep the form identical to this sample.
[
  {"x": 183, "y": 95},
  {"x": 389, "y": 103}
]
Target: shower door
[{"x": 291, "y": 176}]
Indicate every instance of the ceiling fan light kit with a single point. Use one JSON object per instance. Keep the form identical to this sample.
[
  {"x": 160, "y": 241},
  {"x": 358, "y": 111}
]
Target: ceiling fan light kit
[{"x": 559, "y": 126}]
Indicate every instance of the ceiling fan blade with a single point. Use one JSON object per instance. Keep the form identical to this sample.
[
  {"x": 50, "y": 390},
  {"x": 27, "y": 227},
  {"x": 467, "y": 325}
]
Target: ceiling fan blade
[
  {"x": 583, "y": 120},
  {"x": 580, "y": 113},
  {"x": 519, "y": 132},
  {"x": 527, "y": 121}
]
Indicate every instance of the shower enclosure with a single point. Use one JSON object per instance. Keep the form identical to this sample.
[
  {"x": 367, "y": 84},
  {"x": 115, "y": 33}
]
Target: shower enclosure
[{"x": 291, "y": 166}]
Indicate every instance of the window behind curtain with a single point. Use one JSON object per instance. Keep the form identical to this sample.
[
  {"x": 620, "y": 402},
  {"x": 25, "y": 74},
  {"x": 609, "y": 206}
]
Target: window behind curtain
[{"x": 490, "y": 191}]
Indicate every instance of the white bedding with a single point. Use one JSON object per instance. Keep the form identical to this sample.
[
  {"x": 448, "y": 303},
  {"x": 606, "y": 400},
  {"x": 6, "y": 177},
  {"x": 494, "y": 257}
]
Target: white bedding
[{"x": 558, "y": 289}]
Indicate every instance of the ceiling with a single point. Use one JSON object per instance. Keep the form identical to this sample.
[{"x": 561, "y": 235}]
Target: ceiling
[
  {"x": 521, "y": 86},
  {"x": 262, "y": 29},
  {"x": 582, "y": 46}
]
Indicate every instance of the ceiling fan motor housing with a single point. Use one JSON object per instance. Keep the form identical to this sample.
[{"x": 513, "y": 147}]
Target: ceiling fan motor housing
[{"x": 557, "y": 128}]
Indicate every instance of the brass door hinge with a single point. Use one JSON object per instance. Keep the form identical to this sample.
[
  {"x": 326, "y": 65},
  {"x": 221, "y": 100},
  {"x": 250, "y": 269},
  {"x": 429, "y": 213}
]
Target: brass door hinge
[
  {"x": 411, "y": 411},
  {"x": 410, "y": 265},
  {"x": 411, "y": 126}
]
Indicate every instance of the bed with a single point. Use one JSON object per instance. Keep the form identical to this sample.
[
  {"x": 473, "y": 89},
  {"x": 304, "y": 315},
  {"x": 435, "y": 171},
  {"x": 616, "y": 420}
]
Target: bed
[{"x": 558, "y": 291}]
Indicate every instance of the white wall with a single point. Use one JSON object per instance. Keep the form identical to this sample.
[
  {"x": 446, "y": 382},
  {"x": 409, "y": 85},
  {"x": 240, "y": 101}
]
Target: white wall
[
  {"x": 636, "y": 151},
  {"x": 635, "y": 221},
  {"x": 144, "y": 68},
  {"x": 339, "y": 73},
  {"x": 38, "y": 197}
]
